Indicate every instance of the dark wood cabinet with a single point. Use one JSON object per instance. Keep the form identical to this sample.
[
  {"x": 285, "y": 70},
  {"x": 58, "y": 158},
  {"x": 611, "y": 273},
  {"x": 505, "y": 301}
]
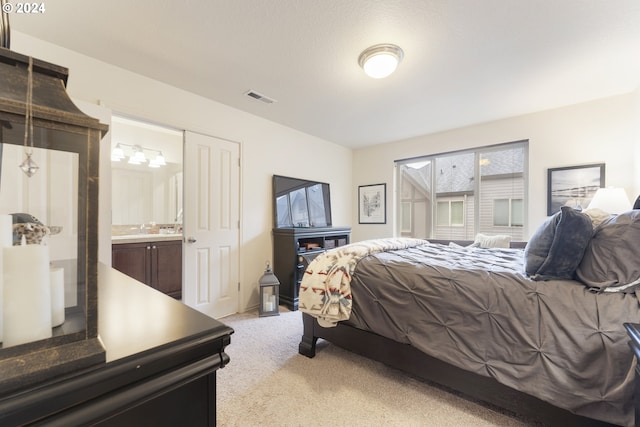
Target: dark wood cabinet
[
  {"x": 157, "y": 264},
  {"x": 166, "y": 271},
  {"x": 160, "y": 369},
  {"x": 294, "y": 249},
  {"x": 133, "y": 259}
]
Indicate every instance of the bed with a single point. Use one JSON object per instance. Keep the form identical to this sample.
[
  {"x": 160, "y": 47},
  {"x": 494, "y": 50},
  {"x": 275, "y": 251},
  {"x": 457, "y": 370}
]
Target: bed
[{"x": 537, "y": 330}]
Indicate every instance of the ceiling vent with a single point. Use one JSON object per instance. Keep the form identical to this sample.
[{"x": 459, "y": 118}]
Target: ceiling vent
[{"x": 260, "y": 97}]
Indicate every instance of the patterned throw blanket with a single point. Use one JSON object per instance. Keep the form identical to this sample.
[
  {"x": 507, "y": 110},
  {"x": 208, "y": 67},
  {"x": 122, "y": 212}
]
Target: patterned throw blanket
[{"x": 325, "y": 290}]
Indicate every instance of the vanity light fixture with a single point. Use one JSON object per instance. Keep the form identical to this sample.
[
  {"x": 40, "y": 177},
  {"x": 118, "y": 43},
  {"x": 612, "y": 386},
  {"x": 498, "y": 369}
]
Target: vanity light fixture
[
  {"x": 158, "y": 160},
  {"x": 137, "y": 156},
  {"x": 134, "y": 161},
  {"x": 117, "y": 154},
  {"x": 380, "y": 60}
]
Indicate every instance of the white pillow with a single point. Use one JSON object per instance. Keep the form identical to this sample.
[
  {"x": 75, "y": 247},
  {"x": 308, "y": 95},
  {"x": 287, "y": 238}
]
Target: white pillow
[
  {"x": 597, "y": 216},
  {"x": 495, "y": 241}
]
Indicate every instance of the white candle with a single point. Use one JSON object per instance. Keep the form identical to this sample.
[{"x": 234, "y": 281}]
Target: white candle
[
  {"x": 56, "y": 275},
  {"x": 27, "y": 291},
  {"x": 268, "y": 306},
  {"x": 6, "y": 240}
]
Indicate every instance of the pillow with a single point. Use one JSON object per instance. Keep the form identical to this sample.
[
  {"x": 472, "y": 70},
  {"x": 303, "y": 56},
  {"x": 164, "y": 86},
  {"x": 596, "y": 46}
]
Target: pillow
[
  {"x": 611, "y": 259},
  {"x": 557, "y": 247},
  {"x": 496, "y": 241},
  {"x": 598, "y": 216}
]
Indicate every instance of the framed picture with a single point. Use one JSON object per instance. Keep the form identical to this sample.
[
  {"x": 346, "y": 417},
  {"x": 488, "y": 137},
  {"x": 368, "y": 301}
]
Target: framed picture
[
  {"x": 573, "y": 186},
  {"x": 372, "y": 204}
]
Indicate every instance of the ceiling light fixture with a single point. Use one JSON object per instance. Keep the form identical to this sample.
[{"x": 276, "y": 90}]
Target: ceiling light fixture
[{"x": 380, "y": 60}]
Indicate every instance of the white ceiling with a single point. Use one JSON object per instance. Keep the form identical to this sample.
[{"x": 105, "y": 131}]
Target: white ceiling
[{"x": 466, "y": 61}]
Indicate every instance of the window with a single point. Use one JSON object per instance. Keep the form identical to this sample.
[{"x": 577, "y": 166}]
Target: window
[
  {"x": 459, "y": 194},
  {"x": 450, "y": 213},
  {"x": 501, "y": 212},
  {"x": 442, "y": 216},
  {"x": 508, "y": 213},
  {"x": 457, "y": 213},
  {"x": 517, "y": 213},
  {"x": 405, "y": 220}
]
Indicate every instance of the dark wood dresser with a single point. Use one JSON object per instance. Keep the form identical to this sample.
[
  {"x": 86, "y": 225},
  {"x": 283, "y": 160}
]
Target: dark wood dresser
[
  {"x": 294, "y": 248},
  {"x": 160, "y": 370}
]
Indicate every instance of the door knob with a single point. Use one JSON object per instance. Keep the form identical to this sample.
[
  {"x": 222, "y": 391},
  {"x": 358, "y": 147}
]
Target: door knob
[{"x": 191, "y": 239}]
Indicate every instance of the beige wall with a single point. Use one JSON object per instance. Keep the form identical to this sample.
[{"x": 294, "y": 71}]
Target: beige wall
[
  {"x": 266, "y": 147},
  {"x": 636, "y": 149},
  {"x": 600, "y": 131}
]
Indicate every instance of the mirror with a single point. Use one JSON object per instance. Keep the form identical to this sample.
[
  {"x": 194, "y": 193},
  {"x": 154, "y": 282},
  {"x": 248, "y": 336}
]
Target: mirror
[{"x": 145, "y": 192}]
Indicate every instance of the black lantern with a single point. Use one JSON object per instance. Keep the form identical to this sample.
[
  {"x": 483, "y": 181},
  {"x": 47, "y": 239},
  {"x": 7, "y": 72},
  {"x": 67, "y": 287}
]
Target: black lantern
[
  {"x": 269, "y": 293},
  {"x": 58, "y": 146}
]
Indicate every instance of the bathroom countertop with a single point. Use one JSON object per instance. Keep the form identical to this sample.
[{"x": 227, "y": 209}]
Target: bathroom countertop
[{"x": 143, "y": 238}]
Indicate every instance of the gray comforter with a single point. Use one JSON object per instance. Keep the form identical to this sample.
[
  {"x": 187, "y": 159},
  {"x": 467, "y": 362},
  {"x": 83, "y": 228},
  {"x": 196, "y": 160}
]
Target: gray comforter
[{"x": 476, "y": 309}]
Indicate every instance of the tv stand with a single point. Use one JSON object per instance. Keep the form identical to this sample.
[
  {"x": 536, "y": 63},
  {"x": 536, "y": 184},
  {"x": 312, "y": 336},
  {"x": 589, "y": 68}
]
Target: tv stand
[{"x": 294, "y": 248}]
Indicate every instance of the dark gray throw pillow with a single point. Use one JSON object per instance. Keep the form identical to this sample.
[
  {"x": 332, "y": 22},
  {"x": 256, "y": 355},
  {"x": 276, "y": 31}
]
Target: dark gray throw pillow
[
  {"x": 557, "y": 247},
  {"x": 611, "y": 259}
]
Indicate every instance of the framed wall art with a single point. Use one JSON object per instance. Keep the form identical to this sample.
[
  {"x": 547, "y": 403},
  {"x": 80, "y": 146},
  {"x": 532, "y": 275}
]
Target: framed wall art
[
  {"x": 573, "y": 186},
  {"x": 372, "y": 204}
]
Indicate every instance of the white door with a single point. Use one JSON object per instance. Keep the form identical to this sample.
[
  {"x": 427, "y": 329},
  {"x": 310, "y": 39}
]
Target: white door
[{"x": 211, "y": 224}]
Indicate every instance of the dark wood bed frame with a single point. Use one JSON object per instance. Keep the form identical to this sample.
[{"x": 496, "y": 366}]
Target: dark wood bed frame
[{"x": 471, "y": 385}]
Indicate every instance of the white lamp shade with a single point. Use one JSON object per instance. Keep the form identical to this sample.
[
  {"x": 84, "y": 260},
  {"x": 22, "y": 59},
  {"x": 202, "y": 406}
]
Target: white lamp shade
[
  {"x": 133, "y": 161},
  {"x": 140, "y": 157},
  {"x": 159, "y": 160},
  {"x": 611, "y": 200},
  {"x": 117, "y": 154}
]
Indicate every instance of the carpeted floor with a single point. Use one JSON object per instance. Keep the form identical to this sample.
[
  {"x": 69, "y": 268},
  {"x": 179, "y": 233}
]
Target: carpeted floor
[{"x": 267, "y": 383}]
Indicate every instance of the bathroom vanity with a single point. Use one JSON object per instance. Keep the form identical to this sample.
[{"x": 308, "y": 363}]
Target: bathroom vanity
[{"x": 153, "y": 259}]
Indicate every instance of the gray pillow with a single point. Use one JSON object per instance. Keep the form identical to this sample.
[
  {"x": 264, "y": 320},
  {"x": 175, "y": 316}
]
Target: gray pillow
[
  {"x": 557, "y": 247},
  {"x": 610, "y": 262}
]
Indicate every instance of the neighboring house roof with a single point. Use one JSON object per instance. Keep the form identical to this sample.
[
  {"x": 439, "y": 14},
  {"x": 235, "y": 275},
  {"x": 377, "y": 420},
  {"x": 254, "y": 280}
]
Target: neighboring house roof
[
  {"x": 455, "y": 173},
  {"x": 419, "y": 178},
  {"x": 503, "y": 162}
]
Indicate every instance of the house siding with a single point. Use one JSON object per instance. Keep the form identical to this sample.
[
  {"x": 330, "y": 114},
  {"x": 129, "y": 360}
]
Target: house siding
[{"x": 505, "y": 188}]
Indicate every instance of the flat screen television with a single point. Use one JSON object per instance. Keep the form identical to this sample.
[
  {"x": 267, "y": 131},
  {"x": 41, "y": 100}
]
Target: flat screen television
[{"x": 301, "y": 203}]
